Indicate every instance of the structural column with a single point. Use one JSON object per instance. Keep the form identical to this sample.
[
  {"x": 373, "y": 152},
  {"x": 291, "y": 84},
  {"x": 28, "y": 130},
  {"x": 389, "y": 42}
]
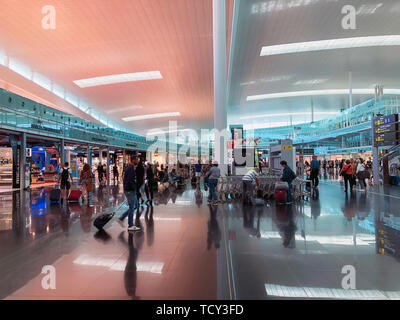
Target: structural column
[
  {"x": 108, "y": 166},
  {"x": 123, "y": 159},
  {"x": 100, "y": 156},
  {"x": 89, "y": 155},
  {"x": 375, "y": 157},
  {"x": 22, "y": 161},
  {"x": 350, "y": 89},
  {"x": 62, "y": 152},
  {"x": 220, "y": 116}
]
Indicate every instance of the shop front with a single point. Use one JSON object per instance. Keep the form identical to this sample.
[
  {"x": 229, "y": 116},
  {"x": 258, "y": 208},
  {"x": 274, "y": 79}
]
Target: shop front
[{"x": 44, "y": 164}]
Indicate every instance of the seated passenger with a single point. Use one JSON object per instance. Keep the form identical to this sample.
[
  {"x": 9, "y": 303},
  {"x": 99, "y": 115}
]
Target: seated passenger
[{"x": 176, "y": 177}]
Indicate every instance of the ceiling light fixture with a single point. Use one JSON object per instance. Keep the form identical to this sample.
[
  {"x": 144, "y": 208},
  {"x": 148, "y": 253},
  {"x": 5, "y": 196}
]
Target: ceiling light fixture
[
  {"x": 318, "y": 93},
  {"x": 118, "y": 78},
  {"x": 117, "y": 110},
  {"x": 346, "y": 43},
  {"x": 270, "y": 115},
  {"x": 151, "y": 116},
  {"x": 309, "y": 82}
]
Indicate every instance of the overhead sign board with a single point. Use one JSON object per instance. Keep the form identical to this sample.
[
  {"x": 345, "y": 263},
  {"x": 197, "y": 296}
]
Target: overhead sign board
[{"x": 385, "y": 129}]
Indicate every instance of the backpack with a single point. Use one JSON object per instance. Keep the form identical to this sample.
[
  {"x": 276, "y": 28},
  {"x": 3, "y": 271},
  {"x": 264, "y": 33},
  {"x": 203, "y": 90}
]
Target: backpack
[
  {"x": 292, "y": 174},
  {"x": 65, "y": 175}
]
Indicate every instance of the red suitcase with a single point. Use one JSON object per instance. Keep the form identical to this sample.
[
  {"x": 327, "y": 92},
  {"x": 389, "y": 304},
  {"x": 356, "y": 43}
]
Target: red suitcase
[
  {"x": 280, "y": 195},
  {"x": 75, "y": 195}
]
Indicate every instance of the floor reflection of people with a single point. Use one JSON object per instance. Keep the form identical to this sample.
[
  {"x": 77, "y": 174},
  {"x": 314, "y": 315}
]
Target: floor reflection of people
[
  {"x": 286, "y": 225},
  {"x": 65, "y": 219},
  {"x": 214, "y": 232},
  {"x": 198, "y": 195},
  {"x": 86, "y": 218},
  {"x": 349, "y": 207},
  {"x": 149, "y": 225},
  {"x": 363, "y": 210},
  {"x": 130, "y": 272},
  {"x": 248, "y": 220}
]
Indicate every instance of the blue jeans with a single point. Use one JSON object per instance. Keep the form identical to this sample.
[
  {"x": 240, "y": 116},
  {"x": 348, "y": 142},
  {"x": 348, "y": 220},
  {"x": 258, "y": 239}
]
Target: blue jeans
[
  {"x": 289, "y": 193},
  {"x": 212, "y": 184},
  {"x": 132, "y": 202}
]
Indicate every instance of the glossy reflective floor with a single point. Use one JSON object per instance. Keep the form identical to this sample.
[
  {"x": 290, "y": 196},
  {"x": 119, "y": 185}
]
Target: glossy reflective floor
[{"x": 189, "y": 250}]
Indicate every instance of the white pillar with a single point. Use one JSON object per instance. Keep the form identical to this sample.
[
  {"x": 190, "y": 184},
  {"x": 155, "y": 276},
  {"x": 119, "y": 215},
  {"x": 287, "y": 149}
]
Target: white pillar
[
  {"x": 68, "y": 155},
  {"x": 219, "y": 46},
  {"x": 312, "y": 110},
  {"x": 22, "y": 162},
  {"x": 100, "y": 156},
  {"x": 350, "y": 89}
]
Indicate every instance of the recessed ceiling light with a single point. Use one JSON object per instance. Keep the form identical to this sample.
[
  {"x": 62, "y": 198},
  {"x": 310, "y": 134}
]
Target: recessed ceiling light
[
  {"x": 117, "y": 110},
  {"x": 118, "y": 78},
  {"x": 318, "y": 93},
  {"x": 346, "y": 43},
  {"x": 151, "y": 116}
]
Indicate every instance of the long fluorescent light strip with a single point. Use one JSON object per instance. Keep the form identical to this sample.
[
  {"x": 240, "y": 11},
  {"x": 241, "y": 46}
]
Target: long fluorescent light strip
[
  {"x": 152, "y": 116},
  {"x": 118, "y": 78},
  {"x": 318, "y": 93},
  {"x": 271, "y": 115},
  {"x": 332, "y": 44}
]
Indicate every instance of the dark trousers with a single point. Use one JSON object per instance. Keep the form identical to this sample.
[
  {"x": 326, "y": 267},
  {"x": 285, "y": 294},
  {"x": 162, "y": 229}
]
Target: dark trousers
[
  {"x": 314, "y": 177},
  {"x": 139, "y": 184},
  {"x": 149, "y": 189},
  {"x": 348, "y": 180}
]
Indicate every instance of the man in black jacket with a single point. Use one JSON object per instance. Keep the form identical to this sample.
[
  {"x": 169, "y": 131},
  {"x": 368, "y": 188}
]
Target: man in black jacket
[{"x": 130, "y": 194}]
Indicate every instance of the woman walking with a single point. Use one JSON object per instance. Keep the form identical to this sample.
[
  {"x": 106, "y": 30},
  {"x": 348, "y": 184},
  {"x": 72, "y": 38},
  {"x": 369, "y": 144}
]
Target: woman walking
[
  {"x": 347, "y": 173},
  {"x": 361, "y": 170},
  {"x": 85, "y": 181}
]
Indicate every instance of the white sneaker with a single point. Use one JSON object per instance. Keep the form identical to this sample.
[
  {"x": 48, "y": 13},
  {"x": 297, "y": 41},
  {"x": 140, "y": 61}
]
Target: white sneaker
[{"x": 134, "y": 228}]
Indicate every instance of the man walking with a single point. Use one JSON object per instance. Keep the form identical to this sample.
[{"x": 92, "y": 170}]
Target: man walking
[
  {"x": 198, "y": 167},
  {"x": 130, "y": 194},
  {"x": 315, "y": 166}
]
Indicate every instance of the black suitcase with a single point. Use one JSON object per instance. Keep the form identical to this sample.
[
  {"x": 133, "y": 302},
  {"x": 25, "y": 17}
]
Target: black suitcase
[
  {"x": 102, "y": 220},
  {"x": 55, "y": 195}
]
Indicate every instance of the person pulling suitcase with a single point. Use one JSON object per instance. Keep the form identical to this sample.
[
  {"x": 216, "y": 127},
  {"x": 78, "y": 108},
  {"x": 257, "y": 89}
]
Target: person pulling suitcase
[
  {"x": 65, "y": 179},
  {"x": 130, "y": 194}
]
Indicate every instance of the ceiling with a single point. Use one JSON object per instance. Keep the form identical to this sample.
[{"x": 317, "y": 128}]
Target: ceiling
[
  {"x": 275, "y": 22},
  {"x": 97, "y": 38}
]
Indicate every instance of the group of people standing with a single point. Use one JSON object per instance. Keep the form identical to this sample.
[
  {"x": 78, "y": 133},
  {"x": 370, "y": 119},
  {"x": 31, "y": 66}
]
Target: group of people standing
[{"x": 353, "y": 170}]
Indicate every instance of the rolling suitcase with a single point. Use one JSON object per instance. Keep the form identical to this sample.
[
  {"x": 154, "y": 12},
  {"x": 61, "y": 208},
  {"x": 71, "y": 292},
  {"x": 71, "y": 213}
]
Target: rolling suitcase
[
  {"x": 280, "y": 195},
  {"x": 55, "y": 195},
  {"x": 75, "y": 195},
  {"x": 102, "y": 220}
]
